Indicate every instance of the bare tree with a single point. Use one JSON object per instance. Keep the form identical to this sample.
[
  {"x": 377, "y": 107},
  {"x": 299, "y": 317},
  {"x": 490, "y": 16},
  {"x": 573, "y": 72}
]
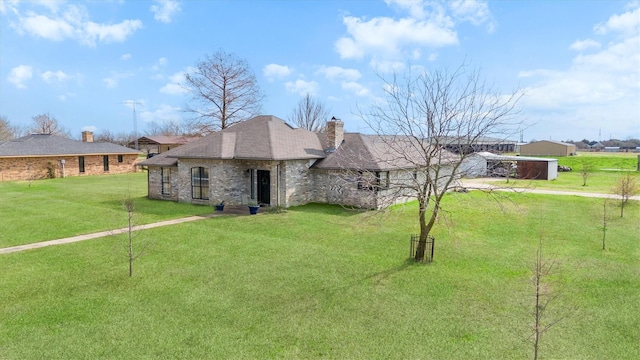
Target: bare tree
[
  {"x": 223, "y": 91},
  {"x": 132, "y": 254},
  {"x": 423, "y": 114},
  {"x": 104, "y": 136},
  {"x": 605, "y": 221},
  {"x": 120, "y": 138},
  {"x": 585, "y": 171},
  {"x": 310, "y": 114},
  {"x": 7, "y": 131},
  {"x": 48, "y": 125},
  {"x": 167, "y": 128},
  {"x": 544, "y": 297},
  {"x": 625, "y": 187}
]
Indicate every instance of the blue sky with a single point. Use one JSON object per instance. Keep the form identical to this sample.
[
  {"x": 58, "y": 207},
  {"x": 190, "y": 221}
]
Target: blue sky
[{"x": 85, "y": 62}]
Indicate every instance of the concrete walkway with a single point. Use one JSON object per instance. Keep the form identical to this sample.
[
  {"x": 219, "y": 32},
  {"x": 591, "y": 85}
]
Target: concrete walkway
[
  {"x": 486, "y": 184},
  {"x": 478, "y": 184},
  {"x": 228, "y": 210}
]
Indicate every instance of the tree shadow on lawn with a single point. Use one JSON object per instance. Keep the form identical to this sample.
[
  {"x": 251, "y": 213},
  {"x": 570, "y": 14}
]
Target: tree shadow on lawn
[
  {"x": 146, "y": 206},
  {"x": 375, "y": 279},
  {"x": 327, "y": 209}
]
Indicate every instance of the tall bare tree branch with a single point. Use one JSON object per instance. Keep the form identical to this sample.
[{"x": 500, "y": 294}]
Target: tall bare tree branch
[
  {"x": 421, "y": 115},
  {"x": 223, "y": 91},
  {"x": 310, "y": 113},
  {"x": 48, "y": 125},
  {"x": 7, "y": 131}
]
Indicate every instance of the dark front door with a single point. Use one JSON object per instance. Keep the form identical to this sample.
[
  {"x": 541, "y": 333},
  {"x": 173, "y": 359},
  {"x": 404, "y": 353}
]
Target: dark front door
[{"x": 264, "y": 187}]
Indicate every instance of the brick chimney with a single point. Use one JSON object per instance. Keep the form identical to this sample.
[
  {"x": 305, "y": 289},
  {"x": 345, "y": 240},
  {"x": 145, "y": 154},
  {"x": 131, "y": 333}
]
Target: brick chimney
[
  {"x": 87, "y": 136},
  {"x": 335, "y": 134}
]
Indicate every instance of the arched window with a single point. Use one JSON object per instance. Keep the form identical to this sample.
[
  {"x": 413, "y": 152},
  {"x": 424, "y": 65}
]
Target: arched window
[{"x": 200, "y": 183}]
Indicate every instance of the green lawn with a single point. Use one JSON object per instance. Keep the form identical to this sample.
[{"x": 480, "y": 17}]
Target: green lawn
[
  {"x": 323, "y": 282},
  {"x": 57, "y": 208}
]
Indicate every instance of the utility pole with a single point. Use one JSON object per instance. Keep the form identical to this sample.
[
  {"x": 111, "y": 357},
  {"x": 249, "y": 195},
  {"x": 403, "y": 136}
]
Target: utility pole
[{"x": 135, "y": 121}]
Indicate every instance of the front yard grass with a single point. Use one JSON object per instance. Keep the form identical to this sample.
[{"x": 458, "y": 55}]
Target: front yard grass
[
  {"x": 52, "y": 209},
  {"x": 320, "y": 281}
]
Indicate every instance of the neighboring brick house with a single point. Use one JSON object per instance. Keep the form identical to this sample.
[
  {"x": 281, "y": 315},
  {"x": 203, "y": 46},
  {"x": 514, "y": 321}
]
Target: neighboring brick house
[
  {"x": 267, "y": 161},
  {"x": 160, "y": 143},
  {"x": 41, "y": 156}
]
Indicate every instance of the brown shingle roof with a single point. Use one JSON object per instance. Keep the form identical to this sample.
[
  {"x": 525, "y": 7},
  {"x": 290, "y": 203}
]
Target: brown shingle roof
[
  {"x": 270, "y": 138},
  {"x": 263, "y": 137},
  {"x": 380, "y": 153},
  {"x": 164, "y": 140},
  {"x": 160, "y": 160}
]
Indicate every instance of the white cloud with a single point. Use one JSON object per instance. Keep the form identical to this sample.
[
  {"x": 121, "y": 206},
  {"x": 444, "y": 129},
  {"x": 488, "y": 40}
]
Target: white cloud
[
  {"x": 174, "y": 87},
  {"x": 89, "y": 128},
  {"x": 163, "y": 114},
  {"x": 165, "y": 10},
  {"x": 65, "y": 96},
  {"x": 356, "y": 88},
  {"x": 473, "y": 11},
  {"x": 581, "y": 45},
  {"x": 388, "y": 37},
  {"x": 112, "y": 81},
  {"x": 423, "y": 24},
  {"x": 338, "y": 73},
  {"x": 302, "y": 87},
  {"x": 70, "y": 21},
  {"x": 160, "y": 63},
  {"x": 125, "y": 57},
  {"x": 627, "y": 23},
  {"x": 415, "y": 7},
  {"x": 19, "y": 75},
  {"x": 386, "y": 66},
  {"x": 598, "y": 89},
  {"x": 50, "y": 76},
  {"x": 45, "y": 27},
  {"x": 93, "y": 32},
  {"x": 275, "y": 71}
]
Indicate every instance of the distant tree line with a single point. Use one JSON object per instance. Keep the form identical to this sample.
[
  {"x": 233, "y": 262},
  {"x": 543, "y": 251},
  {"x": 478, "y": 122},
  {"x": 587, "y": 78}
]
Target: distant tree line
[{"x": 622, "y": 144}]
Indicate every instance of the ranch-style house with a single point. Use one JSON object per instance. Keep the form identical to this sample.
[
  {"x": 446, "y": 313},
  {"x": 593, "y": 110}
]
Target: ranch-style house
[
  {"x": 266, "y": 161},
  {"x": 41, "y": 156}
]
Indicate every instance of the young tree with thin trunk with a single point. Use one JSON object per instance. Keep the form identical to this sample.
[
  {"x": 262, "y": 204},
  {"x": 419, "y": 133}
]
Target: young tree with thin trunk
[
  {"x": 423, "y": 114},
  {"x": 585, "y": 171},
  {"x": 625, "y": 187},
  {"x": 310, "y": 113},
  {"x": 544, "y": 296},
  {"x": 132, "y": 254},
  {"x": 605, "y": 221},
  {"x": 223, "y": 91}
]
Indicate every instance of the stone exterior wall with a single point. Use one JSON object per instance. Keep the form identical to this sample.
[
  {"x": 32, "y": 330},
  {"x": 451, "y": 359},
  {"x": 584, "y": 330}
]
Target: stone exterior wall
[
  {"x": 230, "y": 181},
  {"x": 154, "y": 183},
  {"x": 34, "y": 168},
  {"x": 341, "y": 187},
  {"x": 296, "y": 183},
  {"x": 292, "y": 183}
]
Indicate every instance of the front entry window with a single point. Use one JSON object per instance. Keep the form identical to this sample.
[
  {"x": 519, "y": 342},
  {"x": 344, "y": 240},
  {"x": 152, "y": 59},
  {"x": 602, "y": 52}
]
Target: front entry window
[{"x": 200, "y": 183}]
